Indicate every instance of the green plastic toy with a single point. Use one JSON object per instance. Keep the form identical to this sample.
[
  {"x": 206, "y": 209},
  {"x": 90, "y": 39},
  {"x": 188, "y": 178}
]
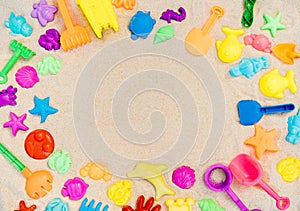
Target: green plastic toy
[
  {"x": 248, "y": 16},
  {"x": 273, "y": 24},
  {"x": 208, "y": 205}
]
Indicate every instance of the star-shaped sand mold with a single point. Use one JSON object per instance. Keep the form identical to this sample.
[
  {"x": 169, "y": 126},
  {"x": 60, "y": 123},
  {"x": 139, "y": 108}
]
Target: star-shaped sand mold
[
  {"x": 272, "y": 24},
  {"x": 42, "y": 108},
  {"x": 263, "y": 140},
  {"x": 16, "y": 123}
]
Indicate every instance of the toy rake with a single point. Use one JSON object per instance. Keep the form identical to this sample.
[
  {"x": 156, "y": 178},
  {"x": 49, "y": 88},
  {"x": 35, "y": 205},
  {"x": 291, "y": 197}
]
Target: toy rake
[{"x": 85, "y": 207}]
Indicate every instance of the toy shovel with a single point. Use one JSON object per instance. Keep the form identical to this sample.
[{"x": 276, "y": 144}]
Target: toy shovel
[
  {"x": 38, "y": 183},
  {"x": 198, "y": 41},
  {"x": 250, "y": 111},
  {"x": 286, "y": 52}
]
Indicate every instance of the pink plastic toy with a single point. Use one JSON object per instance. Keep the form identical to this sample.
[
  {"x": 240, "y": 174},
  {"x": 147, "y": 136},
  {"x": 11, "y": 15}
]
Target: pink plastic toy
[
  {"x": 258, "y": 41},
  {"x": 74, "y": 188},
  {"x": 27, "y": 77},
  {"x": 184, "y": 177},
  {"x": 16, "y": 123}
]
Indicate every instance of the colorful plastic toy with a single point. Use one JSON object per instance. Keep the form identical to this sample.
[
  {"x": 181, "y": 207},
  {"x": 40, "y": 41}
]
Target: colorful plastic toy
[
  {"x": 18, "y": 25},
  {"x": 286, "y": 52},
  {"x": 272, "y": 24},
  {"x": 16, "y": 123},
  {"x": 39, "y": 144},
  {"x": 43, "y": 12},
  {"x": 74, "y": 188},
  {"x": 49, "y": 65},
  {"x": 272, "y": 84},
  {"x": 120, "y": 192},
  {"x": 259, "y": 42},
  {"x": 289, "y": 169},
  {"x": 141, "y": 25},
  {"x": 126, "y": 4},
  {"x": 184, "y": 177},
  {"x": 198, "y": 41},
  {"x": 223, "y": 184},
  {"x": 19, "y": 50},
  {"x": 169, "y": 15},
  {"x": 57, "y": 205},
  {"x": 293, "y": 129},
  {"x": 50, "y": 40},
  {"x": 140, "y": 205},
  {"x": 8, "y": 96},
  {"x": 163, "y": 34},
  {"x": 84, "y": 207},
  {"x": 73, "y": 36},
  {"x": 60, "y": 161},
  {"x": 23, "y": 207},
  {"x": 248, "y": 67},
  {"x": 209, "y": 205},
  {"x": 153, "y": 174},
  {"x": 95, "y": 171},
  {"x": 42, "y": 108},
  {"x": 247, "y": 18},
  {"x": 230, "y": 49},
  {"x": 180, "y": 204},
  {"x": 27, "y": 77},
  {"x": 250, "y": 111},
  {"x": 38, "y": 183}
]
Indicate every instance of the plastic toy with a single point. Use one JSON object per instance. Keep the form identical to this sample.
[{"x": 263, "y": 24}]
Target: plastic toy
[
  {"x": 230, "y": 49},
  {"x": 126, "y": 4},
  {"x": 180, "y": 204},
  {"x": 27, "y": 77},
  {"x": 272, "y": 84},
  {"x": 38, "y": 183},
  {"x": 50, "y": 40},
  {"x": 198, "y": 41},
  {"x": 169, "y": 15},
  {"x": 248, "y": 171},
  {"x": 96, "y": 172},
  {"x": 60, "y": 161},
  {"x": 259, "y": 42},
  {"x": 23, "y": 207},
  {"x": 8, "y": 96},
  {"x": 293, "y": 129},
  {"x": 141, "y": 25},
  {"x": 84, "y": 207},
  {"x": 49, "y": 65},
  {"x": 247, "y": 18},
  {"x": 57, "y": 205},
  {"x": 250, "y": 111},
  {"x": 43, "y": 12},
  {"x": 272, "y": 24},
  {"x": 39, "y": 144},
  {"x": 73, "y": 36},
  {"x": 223, "y": 184},
  {"x": 263, "y": 140},
  {"x": 286, "y": 52},
  {"x": 140, "y": 205},
  {"x": 248, "y": 67},
  {"x": 163, "y": 34},
  {"x": 16, "y": 123},
  {"x": 153, "y": 174},
  {"x": 120, "y": 192},
  {"x": 184, "y": 177},
  {"x": 100, "y": 14},
  {"x": 18, "y": 25},
  {"x": 42, "y": 108},
  {"x": 289, "y": 169},
  {"x": 74, "y": 188},
  {"x": 19, "y": 50},
  {"x": 209, "y": 205}
]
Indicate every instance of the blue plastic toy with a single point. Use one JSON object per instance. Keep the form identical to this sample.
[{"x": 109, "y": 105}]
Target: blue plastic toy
[
  {"x": 57, "y": 204},
  {"x": 294, "y": 129},
  {"x": 84, "y": 207},
  {"x": 42, "y": 108},
  {"x": 18, "y": 25},
  {"x": 141, "y": 25},
  {"x": 248, "y": 67}
]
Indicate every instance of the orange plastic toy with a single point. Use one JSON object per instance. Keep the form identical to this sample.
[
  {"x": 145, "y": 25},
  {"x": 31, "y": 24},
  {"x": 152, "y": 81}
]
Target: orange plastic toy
[
  {"x": 286, "y": 52},
  {"x": 126, "y": 4},
  {"x": 23, "y": 207},
  {"x": 198, "y": 41}
]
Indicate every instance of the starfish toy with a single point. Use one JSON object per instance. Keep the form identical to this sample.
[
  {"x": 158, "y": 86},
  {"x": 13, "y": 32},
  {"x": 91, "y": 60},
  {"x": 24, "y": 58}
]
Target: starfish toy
[
  {"x": 42, "y": 108},
  {"x": 24, "y": 208},
  {"x": 272, "y": 24},
  {"x": 263, "y": 140},
  {"x": 16, "y": 123}
]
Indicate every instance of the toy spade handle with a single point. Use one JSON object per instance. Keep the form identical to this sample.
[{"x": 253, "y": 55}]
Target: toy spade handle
[
  {"x": 11, "y": 158},
  {"x": 277, "y": 109},
  {"x": 217, "y": 12},
  {"x": 236, "y": 200}
]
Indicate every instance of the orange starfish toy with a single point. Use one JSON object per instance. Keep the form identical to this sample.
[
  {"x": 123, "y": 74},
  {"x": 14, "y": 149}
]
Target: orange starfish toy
[
  {"x": 127, "y": 4},
  {"x": 263, "y": 140},
  {"x": 24, "y": 208}
]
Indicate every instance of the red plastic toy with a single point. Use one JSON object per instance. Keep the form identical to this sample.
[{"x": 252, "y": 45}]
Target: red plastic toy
[
  {"x": 22, "y": 207},
  {"x": 140, "y": 205}
]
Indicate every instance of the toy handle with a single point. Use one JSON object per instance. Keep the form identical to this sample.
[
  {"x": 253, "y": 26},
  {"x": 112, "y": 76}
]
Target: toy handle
[
  {"x": 277, "y": 109},
  {"x": 65, "y": 14},
  {"x": 8, "y": 66},
  {"x": 293, "y": 55},
  {"x": 217, "y": 12},
  {"x": 11, "y": 158},
  {"x": 236, "y": 200}
]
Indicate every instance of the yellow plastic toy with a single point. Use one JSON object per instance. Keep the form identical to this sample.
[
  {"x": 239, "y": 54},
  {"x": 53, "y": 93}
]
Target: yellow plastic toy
[
  {"x": 120, "y": 192},
  {"x": 230, "y": 49},
  {"x": 100, "y": 14},
  {"x": 180, "y": 204},
  {"x": 96, "y": 172},
  {"x": 289, "y": 169},
  {"x": 272, "y": 84},
  {"x": 153, "y": 174}
]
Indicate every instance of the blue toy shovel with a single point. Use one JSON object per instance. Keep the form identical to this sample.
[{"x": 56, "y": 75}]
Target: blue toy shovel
[{"x": 250, "y": 111}]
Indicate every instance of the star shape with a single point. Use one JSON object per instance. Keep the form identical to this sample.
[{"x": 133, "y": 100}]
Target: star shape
[
  {"x": 16, "y": 123},
  {"x": 263, "y": 140},
  {"x": 272, "y": 24},
  {"x": 22, "y": 207},
  {"x": 42, "y": 108}
]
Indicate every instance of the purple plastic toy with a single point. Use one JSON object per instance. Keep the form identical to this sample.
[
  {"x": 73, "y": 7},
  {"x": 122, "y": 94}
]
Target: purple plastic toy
[
  {"x": 50, "y": 40},
  {"x": 74, "y": 188},
  {"x": 259, "y": 41},
  {"x": 43, "y": 12},
  {"x": 26, "y": 77},
  {"x": 16, "y": 123},
  {"x": 169, "y": 15},
  {"x": 184, "y": 177},
  {"x": 8, "y": 96}
]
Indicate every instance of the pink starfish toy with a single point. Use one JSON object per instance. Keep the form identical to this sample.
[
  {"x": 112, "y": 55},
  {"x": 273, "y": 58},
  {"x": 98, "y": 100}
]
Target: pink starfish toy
[
  {"x": 258, "y": 41},
  {"x": 16, "y": 123}
]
